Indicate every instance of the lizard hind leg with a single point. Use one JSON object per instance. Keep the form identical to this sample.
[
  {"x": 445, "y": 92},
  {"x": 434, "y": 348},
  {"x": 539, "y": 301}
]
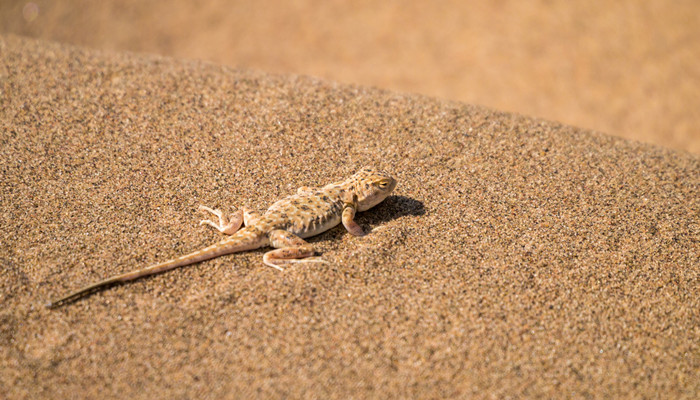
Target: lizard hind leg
[
  {"x": 250, "y": 217},
  {"x": 227, "y": 224},
  {"x": 290, "y": 249}
]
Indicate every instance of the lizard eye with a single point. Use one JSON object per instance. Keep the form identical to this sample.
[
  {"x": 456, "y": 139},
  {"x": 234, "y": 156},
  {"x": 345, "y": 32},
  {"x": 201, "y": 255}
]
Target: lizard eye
[{"x": 383, "y": 185}]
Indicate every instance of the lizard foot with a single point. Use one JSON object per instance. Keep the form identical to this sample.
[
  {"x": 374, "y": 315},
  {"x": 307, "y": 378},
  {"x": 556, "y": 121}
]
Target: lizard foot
[
  {"x": 227, "y": 224},
  {"x": 290, "y": 249}
]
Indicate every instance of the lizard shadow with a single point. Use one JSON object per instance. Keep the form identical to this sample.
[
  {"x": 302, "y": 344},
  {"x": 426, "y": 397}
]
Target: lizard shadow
[
  {"x": 391, "y": 208},
  {"x": 395, "y": 207}
]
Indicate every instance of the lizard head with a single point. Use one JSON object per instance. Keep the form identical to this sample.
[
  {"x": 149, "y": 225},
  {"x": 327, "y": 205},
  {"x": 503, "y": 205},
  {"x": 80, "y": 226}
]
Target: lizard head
[{"x": 371, "y": 187}]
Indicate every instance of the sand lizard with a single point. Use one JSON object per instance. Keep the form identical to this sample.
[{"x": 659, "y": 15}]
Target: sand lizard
[{"x": 283, "y": 226}]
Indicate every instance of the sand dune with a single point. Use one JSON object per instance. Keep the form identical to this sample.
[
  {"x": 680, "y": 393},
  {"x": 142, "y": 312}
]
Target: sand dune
[{"x": 518, "y": 257}]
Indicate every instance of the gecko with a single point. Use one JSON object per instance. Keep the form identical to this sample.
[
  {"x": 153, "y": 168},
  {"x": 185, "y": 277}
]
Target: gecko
[{"x": 284, "y": 226}]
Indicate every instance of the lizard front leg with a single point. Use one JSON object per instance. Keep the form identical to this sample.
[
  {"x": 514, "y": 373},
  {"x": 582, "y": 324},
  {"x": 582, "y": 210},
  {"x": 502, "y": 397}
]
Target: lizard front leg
[
  {"x": 349, "y": 223},
  {"x": 227, "y": 224},
  {"x": 290, "y": 248}
]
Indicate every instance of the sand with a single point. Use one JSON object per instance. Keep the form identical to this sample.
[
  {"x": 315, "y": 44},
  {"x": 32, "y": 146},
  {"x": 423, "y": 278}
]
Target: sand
[
  {"x": 517, "y": 258},
  {"x": 627, "y": 68}
]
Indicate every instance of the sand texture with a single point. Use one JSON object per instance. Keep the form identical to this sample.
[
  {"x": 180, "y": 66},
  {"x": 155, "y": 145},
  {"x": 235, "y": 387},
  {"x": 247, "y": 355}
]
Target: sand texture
[
  {"x": 517, "y": 258},
  {"x": 628, "y": 68}
]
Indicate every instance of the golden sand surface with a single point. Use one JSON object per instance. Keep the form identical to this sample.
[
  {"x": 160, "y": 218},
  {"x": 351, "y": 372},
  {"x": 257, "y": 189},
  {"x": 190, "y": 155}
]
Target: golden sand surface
[
  {"x": 626, "y": 68},
  {"x": 516, "y": 258}
]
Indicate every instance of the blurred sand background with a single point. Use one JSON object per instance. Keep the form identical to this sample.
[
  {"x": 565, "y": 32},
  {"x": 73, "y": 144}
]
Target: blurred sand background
[{"x": 627, "y": 68}]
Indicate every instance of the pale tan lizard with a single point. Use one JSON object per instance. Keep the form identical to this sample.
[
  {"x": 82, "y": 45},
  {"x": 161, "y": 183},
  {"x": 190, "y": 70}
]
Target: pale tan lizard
[{"x": 283, "y": 226}]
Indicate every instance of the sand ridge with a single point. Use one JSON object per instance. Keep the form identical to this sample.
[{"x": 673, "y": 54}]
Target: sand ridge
[{"x": 518, "y": 257}]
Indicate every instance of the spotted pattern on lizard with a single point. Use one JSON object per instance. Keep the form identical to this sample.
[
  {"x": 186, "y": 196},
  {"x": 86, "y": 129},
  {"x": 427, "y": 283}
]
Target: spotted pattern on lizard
[{"x": 284, "y": 226}]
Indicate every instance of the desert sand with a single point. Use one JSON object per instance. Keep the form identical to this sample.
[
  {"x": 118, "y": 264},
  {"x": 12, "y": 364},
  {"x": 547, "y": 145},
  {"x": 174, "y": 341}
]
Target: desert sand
[{"x": 517, "y": 257}]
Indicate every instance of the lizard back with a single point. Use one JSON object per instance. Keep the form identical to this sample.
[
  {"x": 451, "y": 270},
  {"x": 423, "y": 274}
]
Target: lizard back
[{"x": 306, "y": 214}]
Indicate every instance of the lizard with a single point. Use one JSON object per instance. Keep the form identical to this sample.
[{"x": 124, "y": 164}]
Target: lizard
[{"x": 284, "y": 226}]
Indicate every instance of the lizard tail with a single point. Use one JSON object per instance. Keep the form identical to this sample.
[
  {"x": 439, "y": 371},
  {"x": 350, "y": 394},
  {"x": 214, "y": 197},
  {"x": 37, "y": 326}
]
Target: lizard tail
[{"x": 243, "y": 240}]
